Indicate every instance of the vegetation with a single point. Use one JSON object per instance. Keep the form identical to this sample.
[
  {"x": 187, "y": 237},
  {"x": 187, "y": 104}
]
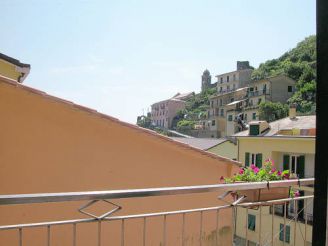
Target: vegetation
[
  {"x": 254, "y": 174},
  {"x": 300, "y": 65},
  {"x": 196, "y": 108},
  {"x": 144, "y": 121},
  {"x": 270, "y": 111}
]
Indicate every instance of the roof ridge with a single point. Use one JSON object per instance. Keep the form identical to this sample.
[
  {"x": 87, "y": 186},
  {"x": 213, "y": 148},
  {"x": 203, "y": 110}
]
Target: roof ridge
[{"x": 11, "y": 82}]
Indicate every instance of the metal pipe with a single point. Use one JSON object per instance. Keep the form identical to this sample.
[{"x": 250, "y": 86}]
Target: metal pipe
[{"x": 117, "y": 194}]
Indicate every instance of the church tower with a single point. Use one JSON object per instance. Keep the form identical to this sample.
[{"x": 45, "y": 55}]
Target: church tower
[{"x": 206, "y": 80}]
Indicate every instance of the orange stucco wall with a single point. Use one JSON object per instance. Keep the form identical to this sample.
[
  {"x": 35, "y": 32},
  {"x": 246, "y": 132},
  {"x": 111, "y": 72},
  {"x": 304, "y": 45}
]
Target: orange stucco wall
[{"x": 50, "y": 146}]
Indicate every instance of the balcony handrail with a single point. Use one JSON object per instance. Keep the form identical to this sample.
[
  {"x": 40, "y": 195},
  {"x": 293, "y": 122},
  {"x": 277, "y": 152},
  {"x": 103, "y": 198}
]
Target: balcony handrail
[
  {"x": 155, "y": 214},
  {"x": 130, "y": 193}
]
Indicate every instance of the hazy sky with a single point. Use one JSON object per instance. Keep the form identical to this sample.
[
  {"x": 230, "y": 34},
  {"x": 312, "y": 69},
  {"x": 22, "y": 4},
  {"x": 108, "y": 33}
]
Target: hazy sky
[{"x": 119, "y": 57}]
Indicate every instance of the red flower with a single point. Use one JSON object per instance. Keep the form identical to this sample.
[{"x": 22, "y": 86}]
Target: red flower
[{"x": 241, "y": 171}]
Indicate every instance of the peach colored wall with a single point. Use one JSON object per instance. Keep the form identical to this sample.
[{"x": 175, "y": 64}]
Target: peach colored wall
[{"x": 50, "y": 146}]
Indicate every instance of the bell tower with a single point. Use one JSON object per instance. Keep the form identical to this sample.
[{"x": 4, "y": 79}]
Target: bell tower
[{"x": 206, "y": 80}]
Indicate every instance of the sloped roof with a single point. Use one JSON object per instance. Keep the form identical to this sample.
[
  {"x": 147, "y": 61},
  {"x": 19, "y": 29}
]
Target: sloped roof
[
  {"x": 201, "y": 143},
  {"x": 13, "y": 61},
  {"x": 299, "y": 122},
  {"x": 183, "y": 95},
  {"x": 181, "y": 145}
]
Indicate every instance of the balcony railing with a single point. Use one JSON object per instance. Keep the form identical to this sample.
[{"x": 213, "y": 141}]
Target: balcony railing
[
  {"x": 258, "y": 93},
  {"x": 216, "y": 213}
]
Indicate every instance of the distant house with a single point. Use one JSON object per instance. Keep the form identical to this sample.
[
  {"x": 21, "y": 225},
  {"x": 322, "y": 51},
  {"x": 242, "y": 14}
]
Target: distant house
[
  {"x": 48, "y": 144},
  {"x": 163, "y": 112},
  {"x": 230, "y": 110},
  {"x": 13, "y": 68},
  {"x": 290, "y": 143},
  {"x": 219, "y": 146}
]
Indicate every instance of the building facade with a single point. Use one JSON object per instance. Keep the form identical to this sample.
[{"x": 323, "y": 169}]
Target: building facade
[
  {"x": 290, "y": 143},
  {"x": 48, "y": 144},
  {"x": 163, "y": 112},
  {"x": 231, "y": 111}
]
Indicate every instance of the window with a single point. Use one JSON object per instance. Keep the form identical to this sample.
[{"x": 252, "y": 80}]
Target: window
[
  {"x": 228, "y": 87},
  {"x": 251, "y": 222},
  {"x": 230, "y": 117},
  {"x": 213, "y": 122},
  {"x": 295, "y": 164},
  {"x": 254, "y": 116},
  {"x": 221, "y": 89},
  {"x": 227, "y": 78},
  {"x": 222, "y": 112},
  {"x": 253, "y": 158},
  {"x": 211, "y": 104},
  {"x": 245, "y": 117},
  {"x": 259, "y": 101},
  {"x": 284, "y": 233},
  {"x": 221, "y": 80},
  {"x": 221, "y": 102},
  {"x": 290, "y": 88},
  {"x": 234, "y": 86},
  {"x": 234, "y": 77}
]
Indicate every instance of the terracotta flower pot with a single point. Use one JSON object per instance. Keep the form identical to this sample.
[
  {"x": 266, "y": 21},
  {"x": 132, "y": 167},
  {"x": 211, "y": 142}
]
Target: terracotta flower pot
[{"x": 261, "y": 195}]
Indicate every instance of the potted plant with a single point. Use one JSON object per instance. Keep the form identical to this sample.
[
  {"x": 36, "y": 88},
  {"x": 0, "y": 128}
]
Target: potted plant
[{"x": 267, "y": 173}]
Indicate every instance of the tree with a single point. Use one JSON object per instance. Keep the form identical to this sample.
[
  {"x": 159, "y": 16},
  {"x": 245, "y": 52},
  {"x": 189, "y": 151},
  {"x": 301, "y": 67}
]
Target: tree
[{"x": 270, "y": 111}]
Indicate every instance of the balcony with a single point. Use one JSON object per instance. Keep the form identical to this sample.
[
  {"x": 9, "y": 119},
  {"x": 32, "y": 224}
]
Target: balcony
[
  {"x": 258, "y": 93},
  {"x": 223, "y": 224}
]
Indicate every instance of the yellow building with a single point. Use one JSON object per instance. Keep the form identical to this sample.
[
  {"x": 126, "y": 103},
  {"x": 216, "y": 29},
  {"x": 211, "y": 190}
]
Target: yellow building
[
  {"x": 218, "y": 146},
  {"x": 13, "y": 69},
  {"x": 290, "y": 143}
]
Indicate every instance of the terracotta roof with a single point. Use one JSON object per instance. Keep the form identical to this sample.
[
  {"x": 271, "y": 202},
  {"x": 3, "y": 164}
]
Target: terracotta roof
[
  {"x": 13, "y": 61},
  {"x": 299, "y": 122},
  {"x": 183, "y": 95},
  {"x": 112, "y": 119},
  {"x": 201, "y": 143}
]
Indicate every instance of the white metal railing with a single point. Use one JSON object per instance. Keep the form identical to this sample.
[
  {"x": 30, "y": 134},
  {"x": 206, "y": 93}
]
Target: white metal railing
[{"x": 95, "y": 196}]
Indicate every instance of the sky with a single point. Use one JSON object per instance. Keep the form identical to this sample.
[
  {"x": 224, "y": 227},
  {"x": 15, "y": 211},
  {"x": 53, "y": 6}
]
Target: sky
[{"x": 119, "y": 57}]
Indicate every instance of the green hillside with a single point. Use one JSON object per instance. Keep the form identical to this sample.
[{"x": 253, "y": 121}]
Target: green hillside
[{"x": 300, "y": 65}]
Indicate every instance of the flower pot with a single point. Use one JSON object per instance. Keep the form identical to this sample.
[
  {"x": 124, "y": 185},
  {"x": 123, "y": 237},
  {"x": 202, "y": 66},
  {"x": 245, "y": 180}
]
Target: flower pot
[{"x": 265, "y": 194}]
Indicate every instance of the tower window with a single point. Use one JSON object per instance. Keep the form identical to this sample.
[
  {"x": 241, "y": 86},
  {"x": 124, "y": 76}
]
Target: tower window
[{"x": 227, "y": 78}]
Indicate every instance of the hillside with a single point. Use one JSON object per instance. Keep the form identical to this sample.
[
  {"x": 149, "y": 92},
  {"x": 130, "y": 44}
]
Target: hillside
[{"x": 300, "y": 65}]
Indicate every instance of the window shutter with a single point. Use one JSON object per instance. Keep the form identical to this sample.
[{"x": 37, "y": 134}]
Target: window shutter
[
  {"x": 259, "y": 160},
  {"x": 281, "y": 232},
  {"x": 286, "y": 162},
  {"x": 300, "y": 166},
  {"x": 247, "y": 159},
  {"x": 287, "y": 239}
]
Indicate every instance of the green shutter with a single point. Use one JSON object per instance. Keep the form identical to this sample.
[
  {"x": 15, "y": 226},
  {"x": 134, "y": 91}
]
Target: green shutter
[
  {"x": 287, "y": 239},
  {"x": 300, "y": 166},
  {"x": 281, "y": 232},
  {"x": 286, "y": 162},
  {"x": 259, "y": 160},
  {"x": 285, "y": 230},
  {"x": 300, "y": 206},
  {"x": 251, "y": 222},
  {"x": 247, "y": 159}
]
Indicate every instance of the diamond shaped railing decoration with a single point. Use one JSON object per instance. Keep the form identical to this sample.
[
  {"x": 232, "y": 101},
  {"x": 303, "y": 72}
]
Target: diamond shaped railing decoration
[{"x": 83, "y": 208}]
